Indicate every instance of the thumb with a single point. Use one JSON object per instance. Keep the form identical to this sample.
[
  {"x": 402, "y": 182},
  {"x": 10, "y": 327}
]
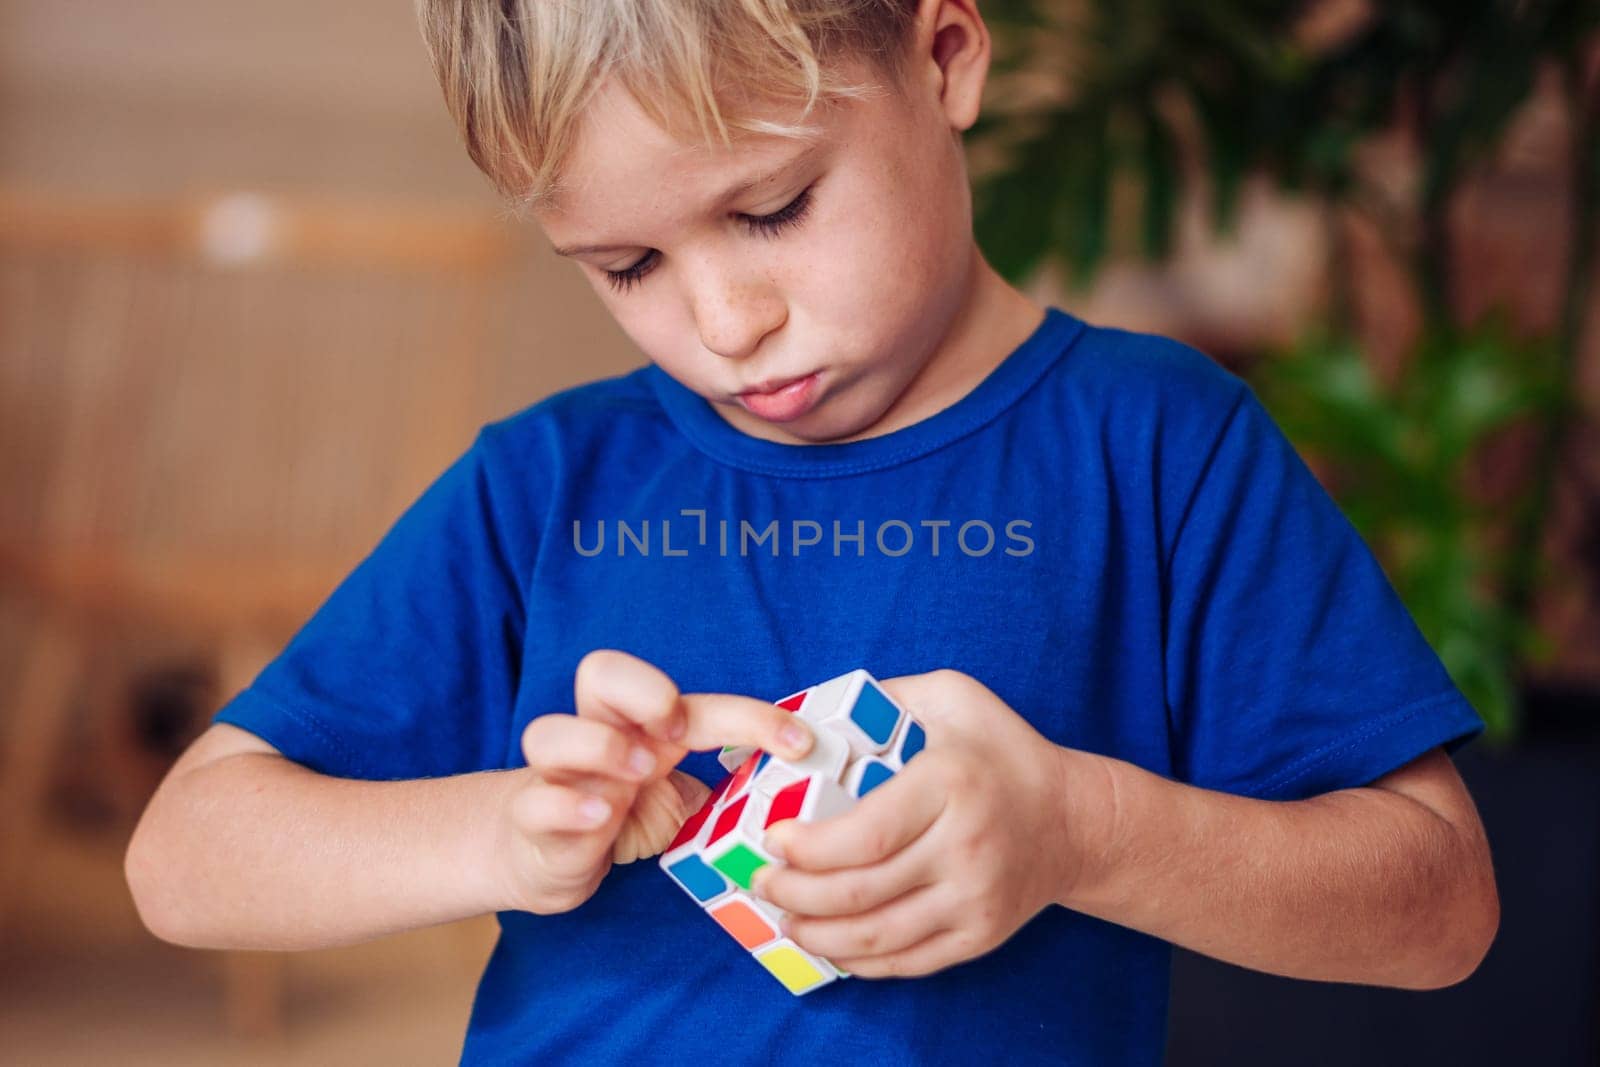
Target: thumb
[
  {"x": 936, "y": 699},
  {"x": 656, "y": 816},
  {"x": 691, "y": 790}
]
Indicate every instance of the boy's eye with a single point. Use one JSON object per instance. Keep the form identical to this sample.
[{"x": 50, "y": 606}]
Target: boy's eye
[{"x": 765, "y": 225}]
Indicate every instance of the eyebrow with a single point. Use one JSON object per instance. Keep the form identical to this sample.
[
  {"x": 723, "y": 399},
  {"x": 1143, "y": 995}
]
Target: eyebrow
[{"x": 733, "y": 191}]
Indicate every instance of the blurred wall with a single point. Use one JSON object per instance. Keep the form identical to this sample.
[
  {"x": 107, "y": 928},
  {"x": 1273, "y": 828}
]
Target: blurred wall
[
  {"x": 165, "y": 416},
  {"x": 176, "y": 97}
]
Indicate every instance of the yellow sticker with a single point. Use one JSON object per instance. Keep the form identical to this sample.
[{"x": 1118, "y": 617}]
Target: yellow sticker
[{"x": 791, "y": 967}]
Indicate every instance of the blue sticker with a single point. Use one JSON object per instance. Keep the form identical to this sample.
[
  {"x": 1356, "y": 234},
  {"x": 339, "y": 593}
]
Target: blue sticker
[
  {"x": 873, "y": 775},
  {"x": 874, "y": 714},
  {"x": 701, "y": 881},
  {"x": 914, "y": 740}
]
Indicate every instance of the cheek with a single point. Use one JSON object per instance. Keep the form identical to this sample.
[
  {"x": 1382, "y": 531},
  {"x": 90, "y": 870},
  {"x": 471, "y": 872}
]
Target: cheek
[
  {"x": 659, "y": 329},
  {"x": 893, "y": 306},
  {"x": 869, "y": 261}
]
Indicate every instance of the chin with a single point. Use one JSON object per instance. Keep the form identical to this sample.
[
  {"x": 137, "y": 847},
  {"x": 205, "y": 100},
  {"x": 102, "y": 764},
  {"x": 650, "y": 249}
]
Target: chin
[{"x": 824, "y": 432}]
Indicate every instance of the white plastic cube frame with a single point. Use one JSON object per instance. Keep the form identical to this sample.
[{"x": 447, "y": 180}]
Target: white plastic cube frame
[
  {"x": 738, "y": 830},
  {"x": 856, "y": 708},
  {"x": 719, "y": 849}
]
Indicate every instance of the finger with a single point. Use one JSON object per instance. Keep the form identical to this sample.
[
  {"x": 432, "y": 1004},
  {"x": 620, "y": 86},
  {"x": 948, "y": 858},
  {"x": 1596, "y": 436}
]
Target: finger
[
  {"x": 847, "y": 891},
  {"x": 547, "y": 808},
  {"x": 897, "y": 924},
  {"x": 933, "y": 953},
  {"x": 620, "y": 795},
  {"x": 623, "y": 690},
  {"x": 717, "y": 719},
  {"x": 881, "y": 824},
  {"x": 560, "y": 746}
]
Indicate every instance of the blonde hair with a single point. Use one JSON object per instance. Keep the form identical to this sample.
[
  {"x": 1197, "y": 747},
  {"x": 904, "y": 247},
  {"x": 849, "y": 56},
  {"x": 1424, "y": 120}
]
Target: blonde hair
[{"x": 517, "y": 74}]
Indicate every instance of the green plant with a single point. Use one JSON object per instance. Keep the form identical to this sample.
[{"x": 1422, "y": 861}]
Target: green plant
[
  {"x": 1402, "y": 459},
  {"x": 1258, "y": 85}
]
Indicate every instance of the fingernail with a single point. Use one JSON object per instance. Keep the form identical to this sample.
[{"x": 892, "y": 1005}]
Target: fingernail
[
  {"x": 774, "y": 847},
  {"x": 594, "y": 810},
  {"x": 679, "y": 727},
  {"x": 794, "y": 736},
  {"x": 642, "y": 760}
]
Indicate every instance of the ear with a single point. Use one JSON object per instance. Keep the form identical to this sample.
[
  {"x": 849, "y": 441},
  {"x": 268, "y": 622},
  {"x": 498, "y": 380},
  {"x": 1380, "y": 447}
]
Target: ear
[{"x": 952, "y": 46}]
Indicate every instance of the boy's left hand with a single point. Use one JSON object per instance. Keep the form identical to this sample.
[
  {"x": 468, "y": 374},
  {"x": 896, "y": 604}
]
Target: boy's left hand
[{"x": 947, "y": 859}]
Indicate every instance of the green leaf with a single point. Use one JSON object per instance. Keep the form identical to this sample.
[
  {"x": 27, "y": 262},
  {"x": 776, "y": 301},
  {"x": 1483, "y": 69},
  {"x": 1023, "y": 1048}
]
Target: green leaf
[
  {"x": 1082, "y": 200},
  {"x": 1007, "y": 208},
  {"x": 1162, "y": 185},
  {"x": 1397, "y": 459},
  {"x": 1227, "y": 153}
]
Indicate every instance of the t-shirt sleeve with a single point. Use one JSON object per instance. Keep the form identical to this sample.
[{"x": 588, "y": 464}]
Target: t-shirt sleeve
[
  {"x": 1292, "y": 666},
  {"x": 409, "y": 668}
]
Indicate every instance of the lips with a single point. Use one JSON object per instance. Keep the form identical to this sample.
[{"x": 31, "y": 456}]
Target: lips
[
  {"x": 783, "y": 399},
  {"x": 772, "y": 386}
]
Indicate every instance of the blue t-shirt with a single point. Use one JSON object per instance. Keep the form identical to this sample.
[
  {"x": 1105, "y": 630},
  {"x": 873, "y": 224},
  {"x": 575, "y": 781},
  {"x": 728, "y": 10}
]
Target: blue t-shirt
[{"x": 1109, "y": 531}]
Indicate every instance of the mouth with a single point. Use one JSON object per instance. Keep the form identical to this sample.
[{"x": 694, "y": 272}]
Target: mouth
[{"x": 782, "y": 400}]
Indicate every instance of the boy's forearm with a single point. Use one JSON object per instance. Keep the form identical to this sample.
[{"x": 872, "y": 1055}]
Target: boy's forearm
[
  {"x": 255, "y": 851},
  {"x": 1361, "y": 885}
]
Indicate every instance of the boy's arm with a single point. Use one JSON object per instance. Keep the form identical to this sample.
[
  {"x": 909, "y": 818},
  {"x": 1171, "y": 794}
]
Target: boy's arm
[
  {"x": 1388, "y": 884},
  {"x": 242, "y": 848}
]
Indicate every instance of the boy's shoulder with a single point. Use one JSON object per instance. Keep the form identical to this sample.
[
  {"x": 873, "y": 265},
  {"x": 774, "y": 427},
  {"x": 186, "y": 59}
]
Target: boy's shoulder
[
  {"x": 575, "y": 431},
  {"x": 1155, "y": 407},
  {"x": 618, "y": 410},
  {"x": 1127, "y": 371},
  {"x": 586, "y": 404}
]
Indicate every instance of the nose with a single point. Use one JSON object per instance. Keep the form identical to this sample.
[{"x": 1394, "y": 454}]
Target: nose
[{"x": 734, "y": 314}]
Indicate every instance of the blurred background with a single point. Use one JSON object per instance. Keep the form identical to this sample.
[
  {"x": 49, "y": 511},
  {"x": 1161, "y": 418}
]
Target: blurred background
[{"x": 254, "y": 297}]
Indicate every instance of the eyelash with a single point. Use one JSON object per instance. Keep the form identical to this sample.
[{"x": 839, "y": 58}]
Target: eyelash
[{"x": 765, "y": 225}]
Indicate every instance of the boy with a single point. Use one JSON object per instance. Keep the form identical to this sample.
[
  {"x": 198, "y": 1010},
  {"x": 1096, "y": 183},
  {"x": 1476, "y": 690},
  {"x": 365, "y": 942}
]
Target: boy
[{"x": 1165, "y": 685}]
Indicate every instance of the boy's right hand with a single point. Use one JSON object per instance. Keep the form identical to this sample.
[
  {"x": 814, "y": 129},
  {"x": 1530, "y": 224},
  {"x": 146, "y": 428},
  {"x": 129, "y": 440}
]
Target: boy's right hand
[{"x": 557, "y": 853}]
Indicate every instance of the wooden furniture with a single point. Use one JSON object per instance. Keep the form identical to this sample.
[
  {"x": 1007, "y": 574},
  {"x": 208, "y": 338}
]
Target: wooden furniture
[{"x": 210, "y": 410}]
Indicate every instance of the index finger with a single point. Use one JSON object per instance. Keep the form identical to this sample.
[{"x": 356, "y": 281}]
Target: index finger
[
  {"x": 883, "y": 822},
  {"x": 717, "y": 719},
  {"x": 624, "y": 690}
]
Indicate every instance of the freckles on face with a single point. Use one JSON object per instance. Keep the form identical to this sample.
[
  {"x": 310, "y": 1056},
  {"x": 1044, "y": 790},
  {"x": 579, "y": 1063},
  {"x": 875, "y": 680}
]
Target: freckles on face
[
  {"x": 693, "y": 257},
  {"x": 898, "y": 246},
  {"x": 895, "y": 260},
  {"x": 854, "y": 287}
]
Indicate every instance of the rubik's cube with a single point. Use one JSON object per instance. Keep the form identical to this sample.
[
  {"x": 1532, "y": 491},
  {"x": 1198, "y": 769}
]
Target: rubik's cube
[{"x": 861, "y": 739}]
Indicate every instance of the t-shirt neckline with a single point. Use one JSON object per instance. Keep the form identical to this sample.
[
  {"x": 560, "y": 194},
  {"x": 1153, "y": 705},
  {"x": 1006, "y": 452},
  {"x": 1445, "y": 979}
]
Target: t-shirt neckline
[{"x": 1009, "y": 381}]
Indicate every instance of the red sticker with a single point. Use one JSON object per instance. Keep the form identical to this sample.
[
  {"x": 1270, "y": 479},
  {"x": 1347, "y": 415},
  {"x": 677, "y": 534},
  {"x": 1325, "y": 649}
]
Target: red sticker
[
  {"x": 728, "y": 819},
  {"x": 787, "y": 801},
  {"x": 793, "y": 703},
  {"x": 741, "y": 777},
  {"x": 691, "y": 826}
]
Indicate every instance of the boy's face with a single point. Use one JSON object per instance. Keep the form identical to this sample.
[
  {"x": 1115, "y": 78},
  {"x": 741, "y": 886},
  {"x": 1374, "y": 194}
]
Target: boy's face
[{"x": 867, "y": 285}]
